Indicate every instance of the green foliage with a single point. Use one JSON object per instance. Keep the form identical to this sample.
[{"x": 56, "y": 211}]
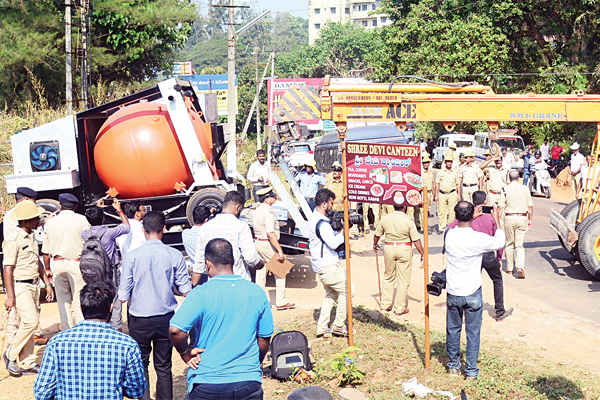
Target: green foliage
[
  {"x": 137, "y": 39},
  {"x": 131, "y": 40},
  {"x": 344, "y": 366}
]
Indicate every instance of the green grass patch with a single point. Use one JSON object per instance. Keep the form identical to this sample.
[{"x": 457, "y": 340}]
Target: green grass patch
[{"x": 392, "y": 352}]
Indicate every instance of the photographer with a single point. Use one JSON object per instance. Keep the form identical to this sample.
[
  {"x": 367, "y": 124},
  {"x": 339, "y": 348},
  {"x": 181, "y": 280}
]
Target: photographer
[
  {"x": 465, "y": 248},
  {"x": 324, "y": 245}
]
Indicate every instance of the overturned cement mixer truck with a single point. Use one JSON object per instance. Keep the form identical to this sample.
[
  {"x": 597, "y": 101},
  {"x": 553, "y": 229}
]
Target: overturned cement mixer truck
[{"x": 158, "y": 146}]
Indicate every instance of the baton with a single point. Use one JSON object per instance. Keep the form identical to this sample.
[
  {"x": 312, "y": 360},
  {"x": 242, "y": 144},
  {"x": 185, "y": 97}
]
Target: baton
[
  {"x": 378, "y": 276},
  {"x": 4, "y": 334}
]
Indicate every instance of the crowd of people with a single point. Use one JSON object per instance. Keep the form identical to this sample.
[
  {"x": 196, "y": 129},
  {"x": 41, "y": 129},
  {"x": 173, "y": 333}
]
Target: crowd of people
[{"x": 222, "y": 329}]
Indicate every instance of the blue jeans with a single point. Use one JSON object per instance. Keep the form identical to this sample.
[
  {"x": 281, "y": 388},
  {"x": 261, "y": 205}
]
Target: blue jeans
[
  {"x": 526, "y": 176},
  {"x": 472, "y": 308},
  {"x": 247, "y": 390}
]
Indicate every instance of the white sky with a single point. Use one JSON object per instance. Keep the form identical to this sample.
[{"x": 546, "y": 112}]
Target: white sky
[{"x": 295, "y": 7}]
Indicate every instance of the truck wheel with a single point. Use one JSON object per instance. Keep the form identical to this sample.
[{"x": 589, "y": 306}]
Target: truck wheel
[
  {"x": 588, "y": 245},
  {"x": 209, "y": 197},
  {"x": 50, "y": 205},
  {"x": 570, "y": 213}
]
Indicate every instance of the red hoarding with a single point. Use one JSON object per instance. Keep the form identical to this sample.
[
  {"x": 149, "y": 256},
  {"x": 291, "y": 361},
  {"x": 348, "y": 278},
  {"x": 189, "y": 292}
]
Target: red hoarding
[{"x": 384, "y": 173}]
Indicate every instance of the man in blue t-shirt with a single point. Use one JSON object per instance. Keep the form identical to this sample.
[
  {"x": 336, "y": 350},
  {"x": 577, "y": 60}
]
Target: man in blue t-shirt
[{"x": 234, "y": 324}]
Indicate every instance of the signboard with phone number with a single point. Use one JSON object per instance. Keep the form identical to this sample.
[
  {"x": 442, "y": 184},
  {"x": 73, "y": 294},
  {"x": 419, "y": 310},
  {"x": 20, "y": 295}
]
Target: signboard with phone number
[{"x": 384, "y": 173}]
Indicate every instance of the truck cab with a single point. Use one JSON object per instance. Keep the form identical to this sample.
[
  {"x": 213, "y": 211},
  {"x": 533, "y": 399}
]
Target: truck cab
[{"x": 507, "y": 138}]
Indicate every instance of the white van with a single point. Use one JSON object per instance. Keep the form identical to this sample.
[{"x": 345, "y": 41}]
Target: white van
[
  {"x": 463, "y": 143},
  {"x": 506, "y": 138}
]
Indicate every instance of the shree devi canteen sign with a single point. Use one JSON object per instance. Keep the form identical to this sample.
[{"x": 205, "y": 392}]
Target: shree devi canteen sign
[{"x": 384, "y": 173}]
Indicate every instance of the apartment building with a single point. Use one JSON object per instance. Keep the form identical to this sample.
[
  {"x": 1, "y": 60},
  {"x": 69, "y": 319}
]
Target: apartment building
[{"x": 359, "y": 12}]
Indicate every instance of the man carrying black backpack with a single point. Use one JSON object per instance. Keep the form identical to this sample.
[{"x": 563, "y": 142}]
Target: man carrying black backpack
[{"x": 103, "y": 266}]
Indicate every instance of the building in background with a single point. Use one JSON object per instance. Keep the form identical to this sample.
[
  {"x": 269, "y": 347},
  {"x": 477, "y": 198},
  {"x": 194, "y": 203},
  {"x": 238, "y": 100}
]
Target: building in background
[{"x": 359, "y": 12}]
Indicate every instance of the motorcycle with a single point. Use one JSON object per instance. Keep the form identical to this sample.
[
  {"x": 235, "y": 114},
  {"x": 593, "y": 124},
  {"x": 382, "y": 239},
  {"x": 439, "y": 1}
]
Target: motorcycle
[
  {"x": 557, "y": 168},
  {"x": 539, "y": 183}
]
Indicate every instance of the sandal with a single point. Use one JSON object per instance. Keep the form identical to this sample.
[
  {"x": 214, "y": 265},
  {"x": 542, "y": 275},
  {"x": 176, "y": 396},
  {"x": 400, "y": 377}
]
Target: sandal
[{"x": 342, "y": 332}]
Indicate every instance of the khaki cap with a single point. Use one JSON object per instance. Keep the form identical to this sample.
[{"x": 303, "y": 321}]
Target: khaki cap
[
  {"x": 452, "y": 146},
  {"x": 25, "y": 210},
  {"x": 426, "y": 158},
  {"x": 448, "y": 157},
  {"x": 469, "y": 154},
  {"x": 311, "y": 163},
  {"x": 487, "y": 152}
]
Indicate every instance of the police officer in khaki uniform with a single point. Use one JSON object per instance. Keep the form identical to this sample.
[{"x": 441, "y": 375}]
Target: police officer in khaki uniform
[
  {"x": 22, "y": 269},
  {"x": 266, "y": 231},
  {"x": 376, "y": 215},
  {"x": 471, "y": 178},
  {"x": 10, "y": 226},
  {"x": 496, "y": 180},
  {"x": 454, "y": 155},
  {"x": 428, "y": 180},
  {"x": 400, "y": 233},
  {"x": 518, "y": 209},
  {"x": 446, "y": 193},
  {"x": 62, "y": 248}
]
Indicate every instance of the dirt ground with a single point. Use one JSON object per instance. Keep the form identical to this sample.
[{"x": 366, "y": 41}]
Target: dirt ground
[{"x": 549, "y": 336}]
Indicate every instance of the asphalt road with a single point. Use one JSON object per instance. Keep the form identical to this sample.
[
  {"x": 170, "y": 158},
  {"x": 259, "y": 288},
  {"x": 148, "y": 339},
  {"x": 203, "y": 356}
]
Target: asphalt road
[{"x": 552, "y": 275}]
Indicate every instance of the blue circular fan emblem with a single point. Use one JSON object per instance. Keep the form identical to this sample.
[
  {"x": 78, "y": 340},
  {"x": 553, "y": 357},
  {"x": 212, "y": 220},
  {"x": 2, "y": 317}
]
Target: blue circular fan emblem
[{"x": 44, "y": 157}]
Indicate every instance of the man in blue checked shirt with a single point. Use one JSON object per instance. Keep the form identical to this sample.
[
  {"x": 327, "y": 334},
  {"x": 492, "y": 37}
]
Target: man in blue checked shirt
[{"x": 91, "y": 360}]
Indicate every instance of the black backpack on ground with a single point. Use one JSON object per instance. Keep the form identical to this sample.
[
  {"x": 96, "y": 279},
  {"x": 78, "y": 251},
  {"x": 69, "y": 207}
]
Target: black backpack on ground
[
  {"x": 289, "y": 353},
  {"x": 95, "y": 265}
]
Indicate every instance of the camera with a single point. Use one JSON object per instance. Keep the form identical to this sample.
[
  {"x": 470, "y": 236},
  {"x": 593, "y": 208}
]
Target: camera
[
  {"x": 438, "y": 283},
  {"x": 337, "y": 220}
]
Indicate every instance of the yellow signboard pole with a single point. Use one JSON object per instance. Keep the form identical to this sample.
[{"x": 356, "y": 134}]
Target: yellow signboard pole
[
  {"x": 342, "y": 135},
  {"x": 425, "y": 223}
]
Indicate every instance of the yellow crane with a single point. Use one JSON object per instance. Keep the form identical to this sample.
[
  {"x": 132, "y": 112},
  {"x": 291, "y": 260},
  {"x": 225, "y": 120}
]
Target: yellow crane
[{"x": 577, "y": 225}]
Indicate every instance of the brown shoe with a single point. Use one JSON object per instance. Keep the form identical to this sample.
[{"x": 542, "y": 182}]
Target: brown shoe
[
  {"x": 406, "y": 311},
  {"x": 386, "y": 309},
  {"x": 40, "y": 340},
  {"x": 520, "y": 273},
  {"x": 287, "y": 306}
]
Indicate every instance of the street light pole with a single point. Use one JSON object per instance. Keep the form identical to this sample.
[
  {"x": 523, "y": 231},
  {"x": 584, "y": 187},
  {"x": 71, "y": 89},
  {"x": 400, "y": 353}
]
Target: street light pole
[{"x": 231, "y": 89}]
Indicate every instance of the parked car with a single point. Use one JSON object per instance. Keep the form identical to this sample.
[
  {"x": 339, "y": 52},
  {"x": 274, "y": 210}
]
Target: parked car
[{"x": 297, "y": 153}]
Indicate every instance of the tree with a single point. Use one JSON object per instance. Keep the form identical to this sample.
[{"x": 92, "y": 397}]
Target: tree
[
  {"x": 494, "y": 42},
  {"x": 129, "y": 41},
  {"x": 340, "y": 50}
]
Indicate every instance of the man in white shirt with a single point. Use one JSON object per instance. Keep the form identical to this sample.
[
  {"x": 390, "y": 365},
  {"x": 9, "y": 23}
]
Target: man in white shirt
[
  {"x": 326, "y": 263},
  {"x": 577, "y": 161},
  {"x": 258, "y": 172},
  {"x": 507, "y": 158},
  {"x": 134, "y": 211},
  {"x": 545, "y": 149},
  {"x": 465, "y": 248}
]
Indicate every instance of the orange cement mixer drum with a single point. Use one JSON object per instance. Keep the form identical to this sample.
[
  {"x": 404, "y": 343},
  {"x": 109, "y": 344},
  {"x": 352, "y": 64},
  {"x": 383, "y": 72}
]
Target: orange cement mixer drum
[{"x": 137, "y": 152}]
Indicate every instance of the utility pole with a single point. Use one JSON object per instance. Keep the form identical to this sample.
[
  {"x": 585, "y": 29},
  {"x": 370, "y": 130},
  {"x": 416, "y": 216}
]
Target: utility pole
[
  {"x": 231, "y": 89},
  {"x": 84, "y": 54},
  {"x": 270, "y": 102},
  {"x": 68, "y": 67},
  {"x": 258, "y": 142}
]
